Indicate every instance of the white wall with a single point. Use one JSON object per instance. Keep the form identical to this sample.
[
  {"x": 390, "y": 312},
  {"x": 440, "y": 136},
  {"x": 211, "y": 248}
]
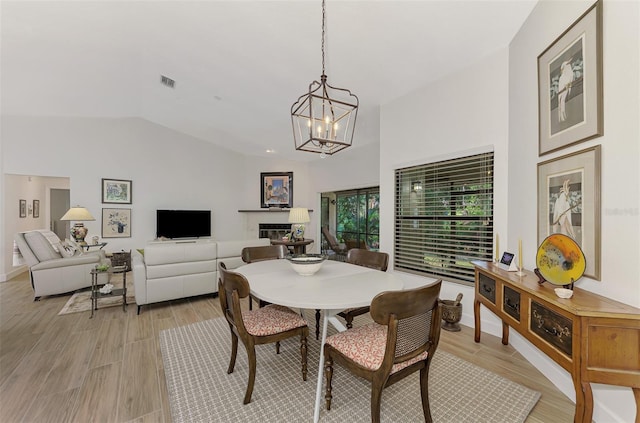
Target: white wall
[
  {"x": 463, "y": 113},
  {"x": 620, "y": 162},
  {"x": 168, "y": 170}
]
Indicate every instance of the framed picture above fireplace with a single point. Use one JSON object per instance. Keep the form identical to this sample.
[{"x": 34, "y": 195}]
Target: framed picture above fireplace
[{"x": 276, "y": 189}]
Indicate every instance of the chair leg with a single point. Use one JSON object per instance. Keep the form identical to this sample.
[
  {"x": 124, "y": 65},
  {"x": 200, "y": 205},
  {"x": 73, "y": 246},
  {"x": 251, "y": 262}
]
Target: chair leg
[
  {"x": 303, "y": 355},
  {"x": 250, "y": 303},
  {"x": 349, "y": 319},
  {"x": 234, "y": 352},
  {"x": 328, "y": 374},
  {"x": 251, "y": 356},
  {"x": 424, "y": 394},
  {"x": 277, "y": 347},
  {"x": 376, "y": 395},
  {"x": 317, "y": 324}
]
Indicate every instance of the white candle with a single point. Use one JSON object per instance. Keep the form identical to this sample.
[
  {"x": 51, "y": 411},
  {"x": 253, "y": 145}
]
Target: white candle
[
  {"x": 497, "y": 246},
  {"x": 520, "y": 254}
]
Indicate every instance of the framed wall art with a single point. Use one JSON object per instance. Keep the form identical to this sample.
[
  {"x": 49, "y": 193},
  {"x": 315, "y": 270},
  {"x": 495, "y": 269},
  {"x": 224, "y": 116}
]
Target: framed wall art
[
  {"x": 276, "y": 189},
  {"x": 116, "y": 223},
  {"x": 569, "y": 202},
  {"x": 22, "y": 208},
  {"x": 116, "y": 191},
  {"x": 570, "y": 100},
  {"x": 36, "y": 209}
]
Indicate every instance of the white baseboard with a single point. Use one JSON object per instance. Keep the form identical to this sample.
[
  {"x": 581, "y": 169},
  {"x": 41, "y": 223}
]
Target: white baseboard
[{"x": 15, "y": 272}]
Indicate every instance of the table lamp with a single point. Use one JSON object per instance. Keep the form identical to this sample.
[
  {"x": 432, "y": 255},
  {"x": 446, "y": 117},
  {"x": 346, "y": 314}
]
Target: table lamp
[
  {"x": 78, "y": 214},
  {"x": 298, "y": 216}
]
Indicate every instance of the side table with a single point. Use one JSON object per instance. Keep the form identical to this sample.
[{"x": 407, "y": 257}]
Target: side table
[
  {"x": 89, "y": 246},
  {"x": 95, "y": 290},
  {"x": 299, "y": 247}
]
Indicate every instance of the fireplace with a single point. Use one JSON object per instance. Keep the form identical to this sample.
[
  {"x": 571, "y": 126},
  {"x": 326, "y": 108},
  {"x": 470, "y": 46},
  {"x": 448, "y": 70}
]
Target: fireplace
[{"x": 273, "y": 230}]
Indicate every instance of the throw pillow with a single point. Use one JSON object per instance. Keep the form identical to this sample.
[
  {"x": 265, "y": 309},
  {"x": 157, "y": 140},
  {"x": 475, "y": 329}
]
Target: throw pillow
[{"x": 67, "y": 250}]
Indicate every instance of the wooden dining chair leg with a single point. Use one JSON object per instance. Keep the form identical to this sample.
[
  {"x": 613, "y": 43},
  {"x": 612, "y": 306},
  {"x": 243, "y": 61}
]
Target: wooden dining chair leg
[
  {"x": 376, "y": 396},
  {"x": 234, "y": 352},
  {"x": 349, "y": 319},
  {"x": 317, "y": 324},
  {"x": 303, "y": 355},
  {"x": 328, "y": 374},
  {"x": 424, "y": 394},
  {"x": 251, "y": 357}
]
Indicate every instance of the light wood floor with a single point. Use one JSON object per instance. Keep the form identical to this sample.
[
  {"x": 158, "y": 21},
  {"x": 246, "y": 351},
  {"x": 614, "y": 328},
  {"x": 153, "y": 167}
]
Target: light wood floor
[{"x": 109, "y": 369}]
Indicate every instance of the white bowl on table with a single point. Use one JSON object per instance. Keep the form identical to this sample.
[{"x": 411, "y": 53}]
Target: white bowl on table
[
  {"x": 306, "y": 264},
  {"x": 563, "y": 292}
]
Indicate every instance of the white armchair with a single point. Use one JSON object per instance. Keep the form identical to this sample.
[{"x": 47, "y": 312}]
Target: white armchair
[{"x": 56, "y": 270}]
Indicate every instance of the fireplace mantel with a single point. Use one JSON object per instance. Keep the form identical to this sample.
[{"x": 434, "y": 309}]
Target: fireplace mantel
[{"x": 272, "y": 210}]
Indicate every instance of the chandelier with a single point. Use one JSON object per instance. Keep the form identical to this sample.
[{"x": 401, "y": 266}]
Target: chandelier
[{"x": 324, "y": 118}]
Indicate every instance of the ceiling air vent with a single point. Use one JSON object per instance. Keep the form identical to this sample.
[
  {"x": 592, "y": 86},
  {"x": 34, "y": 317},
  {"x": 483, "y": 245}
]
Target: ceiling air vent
[{"x": 165, "y": 80}]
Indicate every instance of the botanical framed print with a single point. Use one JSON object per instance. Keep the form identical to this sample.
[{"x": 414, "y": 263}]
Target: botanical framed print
[
  {"x": 570, "y": 99},
  {"x": 116, "y": 191},
  {"x": 36, "y": 208},
  {"x": 276, "y": 189},
  {"x": 569, "y": 202},
  {"x": 22, "y": 208},
  {"x": 116, "y": 223}
]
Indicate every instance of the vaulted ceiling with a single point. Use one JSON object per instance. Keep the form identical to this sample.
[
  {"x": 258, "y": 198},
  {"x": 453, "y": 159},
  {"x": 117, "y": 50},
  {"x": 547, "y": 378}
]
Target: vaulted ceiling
[{"x": 238, "y": 65}]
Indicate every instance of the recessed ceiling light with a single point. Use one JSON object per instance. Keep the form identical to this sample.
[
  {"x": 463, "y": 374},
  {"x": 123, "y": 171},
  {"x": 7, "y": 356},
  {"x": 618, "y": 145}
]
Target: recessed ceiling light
[{"x": 270, "y": 150}]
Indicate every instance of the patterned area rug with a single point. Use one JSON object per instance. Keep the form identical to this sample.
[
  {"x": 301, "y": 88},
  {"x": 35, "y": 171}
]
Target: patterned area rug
[
  {"x": 196, "y": 358},
  {"x": 81, "y": 300}
]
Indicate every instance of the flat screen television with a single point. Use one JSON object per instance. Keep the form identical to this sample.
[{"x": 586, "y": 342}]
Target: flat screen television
[{"x": 183, "y": 223}]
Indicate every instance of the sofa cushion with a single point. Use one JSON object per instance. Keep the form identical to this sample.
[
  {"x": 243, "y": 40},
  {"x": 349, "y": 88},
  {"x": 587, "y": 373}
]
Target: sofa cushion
[
  {"x": 40, "y": 246},
  {"x": 179, "y": 252}
]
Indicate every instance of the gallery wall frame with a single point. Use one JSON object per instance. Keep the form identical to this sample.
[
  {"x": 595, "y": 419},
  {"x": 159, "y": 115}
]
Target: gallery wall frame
[
  {"x": 116, "y": 223},
  {"x": 276, "y": 189},
  {"x": 22, "y": 208},
  {"x": 569, "y": 202},
  {"x": 570, "y": 93},
  {"x": 116, "y": 191},
  {"x": 36, "y": 209}
]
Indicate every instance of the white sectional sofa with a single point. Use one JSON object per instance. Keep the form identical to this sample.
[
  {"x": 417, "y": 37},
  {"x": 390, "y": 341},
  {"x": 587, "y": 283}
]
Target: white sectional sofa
[{"x": 171, "y": 270}]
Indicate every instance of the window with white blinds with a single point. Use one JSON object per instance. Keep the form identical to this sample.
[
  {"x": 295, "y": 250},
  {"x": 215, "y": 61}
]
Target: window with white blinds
[{"x": 444, "y": 217}]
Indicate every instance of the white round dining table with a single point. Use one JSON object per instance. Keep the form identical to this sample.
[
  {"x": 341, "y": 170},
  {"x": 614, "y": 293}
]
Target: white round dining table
[{"x": 335, "y": 287}]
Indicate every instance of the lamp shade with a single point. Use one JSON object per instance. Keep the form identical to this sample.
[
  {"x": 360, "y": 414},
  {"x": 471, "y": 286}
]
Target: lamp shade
[
  {"x": 299, "y": 215},
  {"x": 77, "y": 213}
]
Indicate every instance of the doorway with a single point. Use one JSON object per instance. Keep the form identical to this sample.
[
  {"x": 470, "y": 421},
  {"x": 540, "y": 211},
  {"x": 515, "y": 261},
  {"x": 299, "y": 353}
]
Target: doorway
[
  {"x": 353, "y": 216},
  {"x": 58, "y": 205}
]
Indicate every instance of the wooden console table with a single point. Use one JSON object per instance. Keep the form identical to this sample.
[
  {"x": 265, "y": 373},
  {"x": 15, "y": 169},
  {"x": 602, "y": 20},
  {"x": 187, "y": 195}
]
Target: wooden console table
[{"x": 594, "y": 338}]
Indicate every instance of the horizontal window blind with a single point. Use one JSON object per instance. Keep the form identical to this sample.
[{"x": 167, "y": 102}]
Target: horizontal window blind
[{"x": 444, "y": 217}]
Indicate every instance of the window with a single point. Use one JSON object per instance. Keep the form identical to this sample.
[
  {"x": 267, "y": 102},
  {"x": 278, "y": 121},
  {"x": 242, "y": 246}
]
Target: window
[
  {"x": 358, "y": 218},
  {"x": 444, "y": 217}
]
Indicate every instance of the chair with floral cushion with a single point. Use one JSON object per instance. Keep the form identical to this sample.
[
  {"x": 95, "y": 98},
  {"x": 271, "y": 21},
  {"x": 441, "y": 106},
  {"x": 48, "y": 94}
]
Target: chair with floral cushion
[
  {"x": 401, "y": 340},
  {"x": 261, "y": 253},
  {"x": 265, "y": 325},
  {"x": 372, "y": 259}
]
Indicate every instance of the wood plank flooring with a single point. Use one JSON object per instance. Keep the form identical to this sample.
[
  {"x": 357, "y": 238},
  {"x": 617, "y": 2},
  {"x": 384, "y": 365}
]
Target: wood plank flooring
[{"x": 109, "y": 369}]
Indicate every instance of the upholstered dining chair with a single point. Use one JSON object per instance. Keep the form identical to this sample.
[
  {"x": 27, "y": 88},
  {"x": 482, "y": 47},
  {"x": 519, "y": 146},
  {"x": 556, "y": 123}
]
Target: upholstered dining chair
[
  {"x": 372, "y": 259},
  {"x": 267, "y": 252},
  {"x": 269, "y": 324},
  {"x": 401, "y": 340}
]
